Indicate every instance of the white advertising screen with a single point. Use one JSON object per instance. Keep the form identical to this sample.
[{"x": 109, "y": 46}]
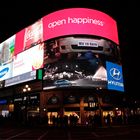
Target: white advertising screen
[{"x": 28, "y": 60}]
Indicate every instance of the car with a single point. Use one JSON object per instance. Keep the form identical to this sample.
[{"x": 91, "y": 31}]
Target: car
[{"x": 81, "y": 44}]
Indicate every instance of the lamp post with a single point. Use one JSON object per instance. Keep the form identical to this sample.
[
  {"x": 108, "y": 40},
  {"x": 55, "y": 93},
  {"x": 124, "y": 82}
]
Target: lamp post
[
  {"x": 26, "y": 98},
  {"x": 26, "y": 88}
]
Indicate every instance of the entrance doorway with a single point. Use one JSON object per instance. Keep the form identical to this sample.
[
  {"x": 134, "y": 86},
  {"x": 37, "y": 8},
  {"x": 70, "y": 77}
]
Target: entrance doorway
[
  {"x": 73, "y": 117},
  {"x": 52, "y": 116}
]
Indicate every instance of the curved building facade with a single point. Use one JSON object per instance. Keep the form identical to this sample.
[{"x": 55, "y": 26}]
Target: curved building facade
[{"x": 66, "y": 65}]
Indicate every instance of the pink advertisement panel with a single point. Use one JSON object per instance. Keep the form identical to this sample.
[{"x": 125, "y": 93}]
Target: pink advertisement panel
[{"x": 79, "y": 21}]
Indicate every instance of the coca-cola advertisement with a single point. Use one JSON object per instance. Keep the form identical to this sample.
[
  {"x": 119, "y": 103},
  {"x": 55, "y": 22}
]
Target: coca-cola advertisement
[
  {"x": 33, "y": 35},
  {"x": 29, "y": 37}
]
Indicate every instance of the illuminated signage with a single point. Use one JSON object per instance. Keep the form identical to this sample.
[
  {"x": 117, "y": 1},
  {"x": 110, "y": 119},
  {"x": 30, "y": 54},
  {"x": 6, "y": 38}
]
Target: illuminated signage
[
  {"x": 4, "y": 101},
  {"x": 71, "y": 65},
  {"x": 72, "y": 21},
  {"x": 21, "y": 78},
  {"x": 30, "y": 36},
  {"x": 33, "y": 34},
  {"x": 18, "y": 99},
  {"x": 77, "y": 21},
  {"x": 78, "y": 42},
  {"x": 114, "y": 76},
  {"x": 6, "y": 71},
  {"x": 33, "y": 97},
  {"x": 28, "y": 60},
  {"x": 7, "y": 50},
  {"x": 40, "y": 74}
]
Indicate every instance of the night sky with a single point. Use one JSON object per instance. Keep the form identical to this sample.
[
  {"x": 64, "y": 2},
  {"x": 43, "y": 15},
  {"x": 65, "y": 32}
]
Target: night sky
[{"x": 16, "y": 15}]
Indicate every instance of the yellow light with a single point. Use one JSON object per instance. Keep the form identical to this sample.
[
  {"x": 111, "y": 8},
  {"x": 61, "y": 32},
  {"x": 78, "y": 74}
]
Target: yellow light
[
  {"x": 11, "y": 107},
  {"x": 24, "y": 90},
  {"x": 29, "y": 89},
  {"x": 26, "y": 86}
]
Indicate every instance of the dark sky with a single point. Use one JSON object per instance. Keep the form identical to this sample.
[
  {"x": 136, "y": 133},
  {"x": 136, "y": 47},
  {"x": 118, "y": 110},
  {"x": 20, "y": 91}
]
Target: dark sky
[{"x": 16, "y": 15}]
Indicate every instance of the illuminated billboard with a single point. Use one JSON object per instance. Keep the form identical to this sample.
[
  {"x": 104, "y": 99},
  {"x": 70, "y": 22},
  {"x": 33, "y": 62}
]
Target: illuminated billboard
[
  {"x": 79, "y": 21},
  {"x": 29, "y": 60},
  {"x": 33, "y": 34},
  {"x": 21, "y": 78},
  {"x": 114, "y": 76},
  {"x": 76, "y": 47},
  {"x": 6, "y": 71},
  {"x": 6, "y": 58},
  {"x": 78, "y": 61},
  {"x": 30, "y": 36},
  {"x": 71, "y": 21},
  {"x": 79, "y": 43},
  {"x": 7, "y": 51}
]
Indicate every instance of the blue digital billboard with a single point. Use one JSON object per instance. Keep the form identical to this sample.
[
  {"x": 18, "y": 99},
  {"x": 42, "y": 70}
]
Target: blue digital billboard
[{"x": 114, "y": 76}]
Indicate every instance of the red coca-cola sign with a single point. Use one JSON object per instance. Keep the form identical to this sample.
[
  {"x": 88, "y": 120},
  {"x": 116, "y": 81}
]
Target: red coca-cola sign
[{"x": 33, "y": 35}]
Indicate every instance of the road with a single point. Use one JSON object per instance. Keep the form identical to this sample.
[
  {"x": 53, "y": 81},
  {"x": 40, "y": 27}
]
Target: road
[{"x": 131, "y": 132}]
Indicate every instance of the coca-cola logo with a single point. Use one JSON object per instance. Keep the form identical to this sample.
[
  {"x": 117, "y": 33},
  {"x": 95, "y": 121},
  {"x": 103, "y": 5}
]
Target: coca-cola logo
[{"x": 33, "y": 34}]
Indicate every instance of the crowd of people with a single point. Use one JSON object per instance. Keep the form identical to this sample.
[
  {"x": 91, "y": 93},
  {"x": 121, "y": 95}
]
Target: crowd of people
[{"x": 73, "y": 120}]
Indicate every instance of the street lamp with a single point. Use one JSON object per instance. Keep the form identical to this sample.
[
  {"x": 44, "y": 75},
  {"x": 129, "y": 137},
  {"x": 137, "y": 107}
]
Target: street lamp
[{"x": 26, "y": 88}]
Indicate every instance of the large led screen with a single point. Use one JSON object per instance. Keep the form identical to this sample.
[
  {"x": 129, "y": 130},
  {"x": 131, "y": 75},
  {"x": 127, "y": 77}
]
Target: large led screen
[
  {"x": 77, "y": 21},
  {"x": 6, "y": 71},
  {"x": 28, "y": 60},
  {"x": 77, "y": 47},
  {"x": 30, "y": 36},
  {"x": 7, "y": 50},
  {"x": 78, "y": 61},
  {"x": 6, "y": 58},
  {"x": 114, "y": 76},
  {"x": 72, "y": 21}
]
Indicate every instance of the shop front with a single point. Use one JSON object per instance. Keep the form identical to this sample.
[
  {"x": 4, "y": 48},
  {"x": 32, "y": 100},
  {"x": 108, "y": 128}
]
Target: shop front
[{"x": 75, "y": 105}]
